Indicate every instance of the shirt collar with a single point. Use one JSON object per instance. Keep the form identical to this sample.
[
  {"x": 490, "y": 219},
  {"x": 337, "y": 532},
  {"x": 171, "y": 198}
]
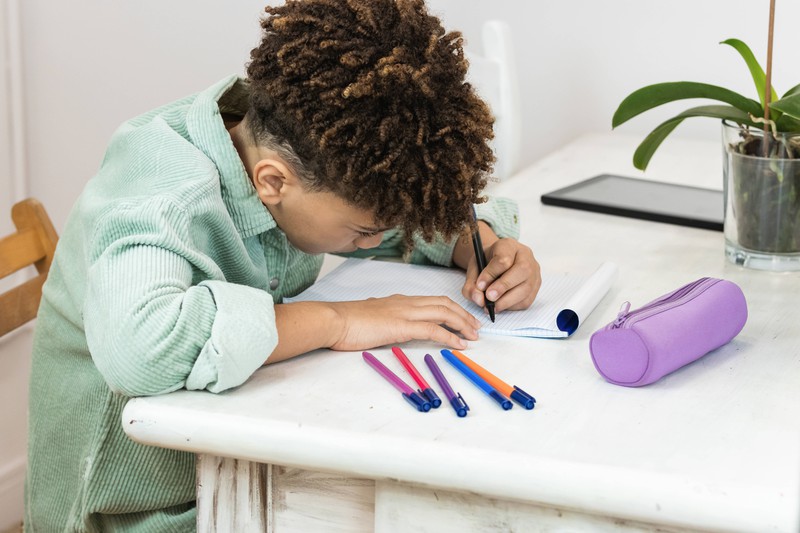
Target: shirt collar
[{"x": 208, "y": 133}]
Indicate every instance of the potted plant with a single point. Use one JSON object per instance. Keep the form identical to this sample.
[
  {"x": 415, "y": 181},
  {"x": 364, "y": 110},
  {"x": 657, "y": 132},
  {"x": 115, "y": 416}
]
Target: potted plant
[{"x": 762, "y": 158}]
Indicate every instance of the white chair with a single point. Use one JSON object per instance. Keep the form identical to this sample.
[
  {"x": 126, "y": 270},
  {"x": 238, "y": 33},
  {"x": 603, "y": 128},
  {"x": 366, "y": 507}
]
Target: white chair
[{"x": 493, "y": 74}]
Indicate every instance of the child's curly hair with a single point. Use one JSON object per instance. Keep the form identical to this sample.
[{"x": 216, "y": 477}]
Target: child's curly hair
[{"x": 370, "y": 94}]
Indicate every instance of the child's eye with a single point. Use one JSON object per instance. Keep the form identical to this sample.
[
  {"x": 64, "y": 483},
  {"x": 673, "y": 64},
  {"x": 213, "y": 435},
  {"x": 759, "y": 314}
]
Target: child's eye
[{"x": 366, "y": 235}]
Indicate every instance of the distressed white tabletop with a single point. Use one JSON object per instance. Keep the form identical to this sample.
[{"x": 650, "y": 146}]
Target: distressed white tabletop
[{"x": 714, "y": 445}]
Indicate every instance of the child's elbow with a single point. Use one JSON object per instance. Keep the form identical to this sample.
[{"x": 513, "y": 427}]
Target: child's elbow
[{"x": 136, "y": 366}]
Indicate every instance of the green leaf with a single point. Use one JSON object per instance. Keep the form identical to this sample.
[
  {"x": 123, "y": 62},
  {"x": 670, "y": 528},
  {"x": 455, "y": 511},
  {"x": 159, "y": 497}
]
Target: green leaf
[
  {"x": 647, "y": 148},
  {"x": 793, "y": 90},
  {"x": 787, "y": 124},
  {"x": 652, "y": 96},
  {"x": 759, "y": 78},
  {"x": 788, "y": 105}
]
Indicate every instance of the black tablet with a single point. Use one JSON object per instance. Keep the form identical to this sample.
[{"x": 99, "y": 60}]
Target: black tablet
[{"x": 649, "y": 200}]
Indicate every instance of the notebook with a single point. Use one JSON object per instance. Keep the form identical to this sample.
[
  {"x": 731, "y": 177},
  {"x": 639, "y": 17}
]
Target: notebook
[{"x": 563, "y": 302}]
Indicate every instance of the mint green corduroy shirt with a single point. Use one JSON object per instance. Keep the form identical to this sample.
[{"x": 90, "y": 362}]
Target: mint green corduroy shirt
[{"x": 161, "y": 281}]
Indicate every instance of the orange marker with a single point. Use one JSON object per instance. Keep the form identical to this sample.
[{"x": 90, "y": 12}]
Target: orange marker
[{"x": 515, "y": 393}]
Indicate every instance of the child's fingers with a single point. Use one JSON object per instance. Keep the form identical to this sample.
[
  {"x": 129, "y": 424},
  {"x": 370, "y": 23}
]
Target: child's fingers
[
  {"x": 476, "y": 282},
  {"x": 425, "y": 331},
  {"x": 497, "y": 266},
  {"x": 455, "y": 319},
  {"x": 469, "y": 290},
  {"x": 516, "y": 272},
  {"x": 381, "y": 321},
  {"x": 519, "y": 297}
]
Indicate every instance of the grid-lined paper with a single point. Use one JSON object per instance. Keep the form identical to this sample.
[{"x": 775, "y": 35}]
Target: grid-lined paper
[{"x": 359, "y": 279}]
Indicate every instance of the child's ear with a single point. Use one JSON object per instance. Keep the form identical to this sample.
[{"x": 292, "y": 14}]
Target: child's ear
[{"x": 269, "y": 179}]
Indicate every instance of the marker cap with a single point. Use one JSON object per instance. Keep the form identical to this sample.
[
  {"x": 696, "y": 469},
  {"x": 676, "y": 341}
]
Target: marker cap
[
  {"x": 523, "y": 398},
  {"x": 419, "y": 403},
  {"x": 504, "y": 402},
  {"x": 459, "y": 405},
  {"x": 432, "y": 397}
]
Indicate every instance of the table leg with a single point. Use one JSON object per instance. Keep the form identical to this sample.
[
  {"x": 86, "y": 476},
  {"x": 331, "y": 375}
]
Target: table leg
[
  {"x": 241, "y": 496},
  {"x": 231, "y": 494}
]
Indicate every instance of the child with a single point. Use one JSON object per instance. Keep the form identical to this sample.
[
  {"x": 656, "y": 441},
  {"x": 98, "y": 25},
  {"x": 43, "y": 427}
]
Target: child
[{"x": 354, "y": 132}]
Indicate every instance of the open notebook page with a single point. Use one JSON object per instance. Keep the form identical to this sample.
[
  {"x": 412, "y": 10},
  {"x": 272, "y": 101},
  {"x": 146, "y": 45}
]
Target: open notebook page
[{"x": 571, "y": 295}]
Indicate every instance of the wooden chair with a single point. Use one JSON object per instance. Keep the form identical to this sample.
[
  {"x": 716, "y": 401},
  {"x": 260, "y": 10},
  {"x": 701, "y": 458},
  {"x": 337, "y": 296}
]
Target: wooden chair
[{"x": 34, "y": 243}]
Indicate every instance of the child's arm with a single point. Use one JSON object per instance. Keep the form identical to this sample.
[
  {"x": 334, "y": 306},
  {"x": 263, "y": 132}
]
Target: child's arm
[
  {"x": 152, "y": 327},
  {"x": 360, "y": 325}
]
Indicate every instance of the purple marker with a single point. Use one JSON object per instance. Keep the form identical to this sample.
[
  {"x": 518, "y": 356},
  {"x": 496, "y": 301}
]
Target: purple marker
[
  {"x": 419, "y": 403},
  {"x": 457, "y": 401}
]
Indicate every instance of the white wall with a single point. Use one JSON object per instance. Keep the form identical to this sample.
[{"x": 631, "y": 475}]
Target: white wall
[
  {"x": 90, "y": 64},
  {"x": 15, "y": 347},
  {"x": 6, "y": 190},
  {"x": 579, "y": 58}
]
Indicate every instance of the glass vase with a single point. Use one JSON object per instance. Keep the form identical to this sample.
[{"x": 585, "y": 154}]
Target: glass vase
[{"x": 762, "y": 198}]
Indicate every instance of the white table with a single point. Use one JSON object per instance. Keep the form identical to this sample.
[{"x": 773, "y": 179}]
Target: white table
[{"x": 321, "y": 443}]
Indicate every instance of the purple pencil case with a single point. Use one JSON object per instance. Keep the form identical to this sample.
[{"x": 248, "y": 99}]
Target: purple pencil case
[{"x": 643, "y": 345}]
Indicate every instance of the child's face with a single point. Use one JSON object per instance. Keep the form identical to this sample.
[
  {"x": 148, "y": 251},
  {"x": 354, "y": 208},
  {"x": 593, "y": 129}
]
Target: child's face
[
  {"x": 314, "y": 221},
  {"x": 319, "y": 222}
]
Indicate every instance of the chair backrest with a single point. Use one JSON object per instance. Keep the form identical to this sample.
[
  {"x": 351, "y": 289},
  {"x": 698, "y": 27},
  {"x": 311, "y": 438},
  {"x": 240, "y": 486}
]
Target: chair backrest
[
  {"x": 34, "y": 243},
  {"x": 494, "y": 76}
]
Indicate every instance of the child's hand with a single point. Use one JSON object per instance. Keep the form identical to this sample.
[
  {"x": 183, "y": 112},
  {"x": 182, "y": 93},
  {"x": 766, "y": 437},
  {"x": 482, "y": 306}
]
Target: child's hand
[
  {"x": 511, "y": 278},
  {"x": 396, "y": 319}
]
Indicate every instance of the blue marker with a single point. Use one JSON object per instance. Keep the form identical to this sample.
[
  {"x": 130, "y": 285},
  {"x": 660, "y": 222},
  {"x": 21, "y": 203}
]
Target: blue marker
[{"x": 481, "y": 383}]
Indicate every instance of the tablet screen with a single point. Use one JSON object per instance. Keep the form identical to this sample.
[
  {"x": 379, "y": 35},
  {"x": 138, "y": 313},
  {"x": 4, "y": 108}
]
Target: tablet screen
[{"x": 649, "y": 200}]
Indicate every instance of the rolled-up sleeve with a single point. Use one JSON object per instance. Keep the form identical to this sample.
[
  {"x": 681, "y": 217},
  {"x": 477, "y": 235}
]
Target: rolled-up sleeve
[
  {"x": 152, "y": 327},
  {"x": 228, "y": 357}
]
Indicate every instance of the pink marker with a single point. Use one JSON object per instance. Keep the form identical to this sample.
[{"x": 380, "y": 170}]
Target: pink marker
[{"x": 424, "y": 388}]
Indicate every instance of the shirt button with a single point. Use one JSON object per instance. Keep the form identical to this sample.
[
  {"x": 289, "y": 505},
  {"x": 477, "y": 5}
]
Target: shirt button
[{"x": 273, "y": 283}]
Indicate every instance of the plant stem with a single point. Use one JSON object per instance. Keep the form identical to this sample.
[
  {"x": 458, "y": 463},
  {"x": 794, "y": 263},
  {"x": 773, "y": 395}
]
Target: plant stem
[{"x": 768, "y": 81}]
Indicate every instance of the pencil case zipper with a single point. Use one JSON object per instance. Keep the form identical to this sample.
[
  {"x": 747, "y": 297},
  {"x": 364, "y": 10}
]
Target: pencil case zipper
[{"x": 627, "y": 318}]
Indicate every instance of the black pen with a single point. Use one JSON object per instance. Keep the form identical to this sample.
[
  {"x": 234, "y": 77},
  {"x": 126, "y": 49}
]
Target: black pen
[{"x": 480, "y": 258}]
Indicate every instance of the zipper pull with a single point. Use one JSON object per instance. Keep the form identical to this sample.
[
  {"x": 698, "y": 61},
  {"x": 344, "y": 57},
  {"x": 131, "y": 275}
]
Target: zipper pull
[{"x": 623, "y": 313}]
